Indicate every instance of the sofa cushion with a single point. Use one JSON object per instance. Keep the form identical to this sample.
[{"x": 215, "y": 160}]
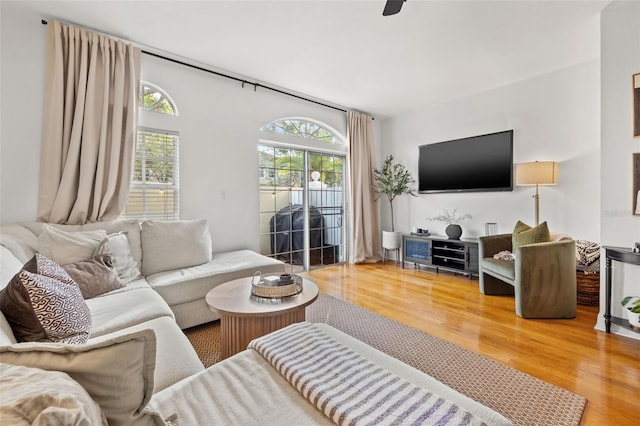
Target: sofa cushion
[
  {"x": 117, "y": 245},
  {"x": 43, "y": 303},
  {"x": 501, "y": 267},
  {"x": 68, "y": 246},
  {"x": 94, "y": 276},
  {"x": 121, "y": 309},
  {"x": 523, "y": 234},
  {"x": 40, "y": 397},
  {"x": 176, "y": 244},
  {"x": 21, "y": 241},
  {"x": 117, "y": 373},
  {"x": 175, "y": 357},
  {"x": 185, "y": 285}
]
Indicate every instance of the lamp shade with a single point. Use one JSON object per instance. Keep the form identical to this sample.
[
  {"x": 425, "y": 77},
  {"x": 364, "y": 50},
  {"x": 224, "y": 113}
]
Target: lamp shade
[{"x": 537, "y": 173}]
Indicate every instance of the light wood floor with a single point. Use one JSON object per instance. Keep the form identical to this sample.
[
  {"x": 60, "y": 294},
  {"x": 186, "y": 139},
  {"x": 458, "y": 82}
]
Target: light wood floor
[{"x": 602, "y": 367}]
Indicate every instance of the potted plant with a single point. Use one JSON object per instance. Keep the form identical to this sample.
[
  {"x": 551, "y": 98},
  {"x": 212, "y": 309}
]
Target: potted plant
[
  {"x": 633, "y": 310},
  {"x": 452, "y": 219},
  {"x": 392, "y": 180}
]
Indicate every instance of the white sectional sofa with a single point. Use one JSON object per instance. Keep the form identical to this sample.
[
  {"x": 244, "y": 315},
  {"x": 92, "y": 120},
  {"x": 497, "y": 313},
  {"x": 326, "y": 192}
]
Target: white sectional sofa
[
  {"x": 138, "y": 368},
  {"x": 174, "y": 258}
]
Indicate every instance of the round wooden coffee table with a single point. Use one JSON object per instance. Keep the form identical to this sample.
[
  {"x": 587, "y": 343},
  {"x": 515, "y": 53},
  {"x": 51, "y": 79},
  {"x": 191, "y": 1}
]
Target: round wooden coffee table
[{"x": 243, "y": 319}]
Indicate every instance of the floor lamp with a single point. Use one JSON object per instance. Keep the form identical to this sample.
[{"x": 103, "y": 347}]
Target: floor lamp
[{"x": 537, "y": 173}]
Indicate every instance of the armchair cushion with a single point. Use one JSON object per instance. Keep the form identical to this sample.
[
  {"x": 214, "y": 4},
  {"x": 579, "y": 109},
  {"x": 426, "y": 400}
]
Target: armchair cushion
[
  {"x": 524, "y": 234},
  {"x": 503, "y": 268}
]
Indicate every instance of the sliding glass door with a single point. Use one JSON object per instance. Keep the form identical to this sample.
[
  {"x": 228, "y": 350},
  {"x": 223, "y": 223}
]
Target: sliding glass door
[{"x": 301, "y": 206}]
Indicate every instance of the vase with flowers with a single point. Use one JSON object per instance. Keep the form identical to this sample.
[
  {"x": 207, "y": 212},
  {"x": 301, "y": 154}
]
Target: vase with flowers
[{"x": 452, "y": 219}]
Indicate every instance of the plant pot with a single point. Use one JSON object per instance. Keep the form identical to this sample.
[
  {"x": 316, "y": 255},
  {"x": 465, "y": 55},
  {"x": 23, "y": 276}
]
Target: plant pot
[
  {"x": 453, "y": 231},
  {"x": 391, "y": 240},
  {"x": 634, "y": 319}
]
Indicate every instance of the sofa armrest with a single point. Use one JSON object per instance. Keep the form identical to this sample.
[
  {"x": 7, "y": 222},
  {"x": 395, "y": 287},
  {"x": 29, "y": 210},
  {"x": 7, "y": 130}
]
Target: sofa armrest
[
  {"x": 545, "y": 282},
  {"x": 493, "y": 244}
]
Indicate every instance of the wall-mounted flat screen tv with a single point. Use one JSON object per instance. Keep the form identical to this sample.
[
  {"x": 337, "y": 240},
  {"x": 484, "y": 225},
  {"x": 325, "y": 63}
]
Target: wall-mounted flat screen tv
[{"x": 475, "y": 164}]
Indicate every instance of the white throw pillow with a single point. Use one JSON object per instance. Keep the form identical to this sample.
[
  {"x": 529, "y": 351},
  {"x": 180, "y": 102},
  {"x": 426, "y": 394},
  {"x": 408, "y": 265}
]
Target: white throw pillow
[
  {"x": 68, "y": 247},
  {"x": 117, "y": 373},
  {"x": 168, "y": 245},
  {"x": 39, "y": 397},
  {"x": 117, "y": 245}
]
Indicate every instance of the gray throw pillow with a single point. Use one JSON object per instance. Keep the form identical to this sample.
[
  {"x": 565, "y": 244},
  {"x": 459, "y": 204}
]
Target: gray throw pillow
[
  {"x": 43, "y": 303},
  {"x": 117, "y": 245},
  {"x": 94, "y": 277}
]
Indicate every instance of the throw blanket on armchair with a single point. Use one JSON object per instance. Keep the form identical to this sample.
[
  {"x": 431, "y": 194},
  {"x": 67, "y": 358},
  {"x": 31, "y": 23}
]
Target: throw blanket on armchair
[{"x": 348, "y": 388}]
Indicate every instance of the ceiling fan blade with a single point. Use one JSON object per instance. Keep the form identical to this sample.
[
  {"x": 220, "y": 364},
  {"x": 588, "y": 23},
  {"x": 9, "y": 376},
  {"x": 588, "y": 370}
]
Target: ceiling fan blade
[{"x": 392, "y": 7}]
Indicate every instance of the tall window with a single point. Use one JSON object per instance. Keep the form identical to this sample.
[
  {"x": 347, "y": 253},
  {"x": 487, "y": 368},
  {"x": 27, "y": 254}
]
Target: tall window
[{"x": 155, "y": 187}]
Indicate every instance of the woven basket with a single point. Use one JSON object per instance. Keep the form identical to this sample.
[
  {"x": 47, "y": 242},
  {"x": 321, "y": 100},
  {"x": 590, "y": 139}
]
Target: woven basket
[{"x": 588, "y": 286}]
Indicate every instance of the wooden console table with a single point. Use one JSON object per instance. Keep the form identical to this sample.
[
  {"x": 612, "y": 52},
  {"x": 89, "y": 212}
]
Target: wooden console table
[
  {"x": 439, "y": 252},
  {"x": 624, "y": 255}
]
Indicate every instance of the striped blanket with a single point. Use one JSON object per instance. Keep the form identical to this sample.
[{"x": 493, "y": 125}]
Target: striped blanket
[{"x": 348, "y": 388}]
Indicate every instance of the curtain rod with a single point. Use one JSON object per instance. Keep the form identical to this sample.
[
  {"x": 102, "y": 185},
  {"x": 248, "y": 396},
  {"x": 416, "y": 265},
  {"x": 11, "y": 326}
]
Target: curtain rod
[{"x": 220, "y": 74}]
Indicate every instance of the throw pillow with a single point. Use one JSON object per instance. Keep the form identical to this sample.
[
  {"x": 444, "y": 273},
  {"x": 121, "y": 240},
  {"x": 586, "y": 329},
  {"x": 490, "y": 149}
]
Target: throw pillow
[
  {"x": 524, "y": 234},
  {"x": 95, "y": 276},
  {"x": 68, "y": 247},
  {"x": 176, "y": 244},
  {"x": 41, "y": 397},
  {"x": 505, "y": 255},
  {"x": 117, "y": 373},
  {"x": 43, "y": 303},
  {"x": 117, "y": 245}
]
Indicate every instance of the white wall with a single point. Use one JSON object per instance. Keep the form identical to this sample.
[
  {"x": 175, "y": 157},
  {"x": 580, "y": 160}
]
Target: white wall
[
  {"x": 554, "y": 116},
  {"x": 218, "y": 126},
  {"x": 620, "y": 44}
]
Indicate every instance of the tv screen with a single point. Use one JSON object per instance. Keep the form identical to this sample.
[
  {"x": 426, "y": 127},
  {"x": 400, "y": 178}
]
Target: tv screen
[{"x": 476, "y": 164}]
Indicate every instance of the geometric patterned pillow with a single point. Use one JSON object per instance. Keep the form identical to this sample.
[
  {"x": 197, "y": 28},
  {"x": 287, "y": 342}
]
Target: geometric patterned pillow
[{"x": 42, "y": 303}]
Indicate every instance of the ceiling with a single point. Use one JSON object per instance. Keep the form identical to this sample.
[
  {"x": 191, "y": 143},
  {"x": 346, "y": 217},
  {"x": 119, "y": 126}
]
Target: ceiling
[{"x": 345, "y": 52}]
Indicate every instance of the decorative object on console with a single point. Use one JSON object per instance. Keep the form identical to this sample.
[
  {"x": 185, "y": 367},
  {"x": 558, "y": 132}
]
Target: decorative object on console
[
  {"x": 537, "y": 173},
  {"x": 453, "y": 229},
  {"x": 392, "y": 180},
  {"x": 490, "y": 228}
]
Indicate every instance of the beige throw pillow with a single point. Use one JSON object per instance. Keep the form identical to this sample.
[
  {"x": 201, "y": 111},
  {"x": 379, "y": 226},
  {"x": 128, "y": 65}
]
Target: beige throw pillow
[
  {"x": 176, "y": 244},
  {"x": 68, "y": 247},
  {"x": 39, "y": 397},
  {"x": 117, "y": 373},
  {"x": 117, "y": 245}
]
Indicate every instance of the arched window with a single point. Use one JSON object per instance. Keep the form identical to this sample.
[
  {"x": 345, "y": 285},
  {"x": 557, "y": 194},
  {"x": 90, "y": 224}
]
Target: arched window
[
  {"x": 153, "y": 98},
  {"x": 303, "y": 128},
  {"x": 155, "y": 186}
]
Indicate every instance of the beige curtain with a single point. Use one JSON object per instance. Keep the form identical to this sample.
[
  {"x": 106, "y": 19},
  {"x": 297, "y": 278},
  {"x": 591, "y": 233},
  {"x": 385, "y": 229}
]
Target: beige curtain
[
  {"x": 89, "y": 126},
  {"x": 364, "y": 218}
]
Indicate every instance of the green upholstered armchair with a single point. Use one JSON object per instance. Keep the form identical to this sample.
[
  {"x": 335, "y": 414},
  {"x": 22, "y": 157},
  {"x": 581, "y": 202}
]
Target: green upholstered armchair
[{"x": 542, "y": 278}]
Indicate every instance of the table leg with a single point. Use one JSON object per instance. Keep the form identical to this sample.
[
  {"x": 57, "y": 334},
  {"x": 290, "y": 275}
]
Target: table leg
[{"x": 607, "y": 307}]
